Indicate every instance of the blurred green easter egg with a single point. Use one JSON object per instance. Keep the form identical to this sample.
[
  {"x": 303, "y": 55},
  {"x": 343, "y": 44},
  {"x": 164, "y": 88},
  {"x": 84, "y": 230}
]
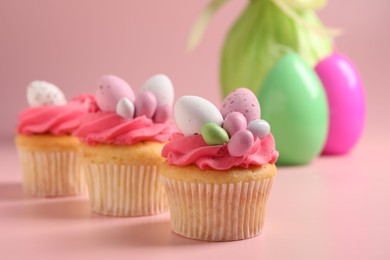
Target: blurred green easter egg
[
  {"x": 293, "y": 101},
  {"x": 213, "y": 134}
]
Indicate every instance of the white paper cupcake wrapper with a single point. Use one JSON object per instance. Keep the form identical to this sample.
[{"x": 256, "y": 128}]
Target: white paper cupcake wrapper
[
  {"x": 217, "y": 212},
  {"x": 51, "y": 173},
  {"x": 125, "y": 190}
]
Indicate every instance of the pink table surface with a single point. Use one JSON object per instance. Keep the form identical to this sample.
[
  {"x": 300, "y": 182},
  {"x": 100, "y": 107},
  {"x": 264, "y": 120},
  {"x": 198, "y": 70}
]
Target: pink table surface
[{"x": 334, "y": 208}]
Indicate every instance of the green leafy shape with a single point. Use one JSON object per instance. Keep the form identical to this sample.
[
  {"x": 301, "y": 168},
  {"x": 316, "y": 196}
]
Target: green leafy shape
[{"x": 260, "y": 36}]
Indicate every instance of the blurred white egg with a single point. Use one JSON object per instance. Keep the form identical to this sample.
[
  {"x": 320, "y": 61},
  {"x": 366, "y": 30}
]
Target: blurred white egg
[
  {"x": 125, "y": 108},
  {"x": 161, "y": 86},
  {"x": 192, "y": 112},
  {"x": 259, "y": 128},
  {"x": 42, "y": 93}
]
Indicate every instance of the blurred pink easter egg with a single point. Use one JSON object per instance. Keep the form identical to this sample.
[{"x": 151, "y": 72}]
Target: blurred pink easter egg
[
  {"x": 344, "y": 89},
  {"x": 145, "y": 104},
  {"x": 110, "y": 90}
]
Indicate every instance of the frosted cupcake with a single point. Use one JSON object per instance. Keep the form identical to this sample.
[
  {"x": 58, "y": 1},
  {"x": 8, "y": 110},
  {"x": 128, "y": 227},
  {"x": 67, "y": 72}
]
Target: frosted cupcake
[
  {"x": 121, "y": 146},
  {"x": 49, "y": 154},
  {"x": 219, "y": 171}
]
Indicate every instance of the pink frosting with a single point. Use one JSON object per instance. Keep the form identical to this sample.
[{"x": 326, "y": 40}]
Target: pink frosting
[
  {"x": 190, "y": 150},
  {"x": 109, "y": 128},
  {"x": 56, "y": 120}
]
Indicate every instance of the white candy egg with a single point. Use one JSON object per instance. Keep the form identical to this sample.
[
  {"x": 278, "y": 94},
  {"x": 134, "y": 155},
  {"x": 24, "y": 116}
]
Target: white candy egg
[
  {"x": 161, "y": 86},
  {"x": 42, "y": 93},
  {"x": 259, "y": 128},
  {"x": 125, "y": 108},
  {"x": 192, "y": 112}
]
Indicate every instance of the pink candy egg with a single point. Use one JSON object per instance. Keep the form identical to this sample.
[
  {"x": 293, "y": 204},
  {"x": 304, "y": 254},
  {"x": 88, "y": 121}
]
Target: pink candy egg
[
  {"x": 110, "y": 90},
  {"x": 163, "y": 113},
  {"x": 344, "y": 90},
  {"x": 145, "y": 104},
  {"x": 240, "y": 143},
  {"x": 244, "y": 101},
  {"x": 234, "y": 122}
]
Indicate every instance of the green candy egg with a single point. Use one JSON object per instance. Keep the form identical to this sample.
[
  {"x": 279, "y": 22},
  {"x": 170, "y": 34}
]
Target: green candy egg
[{"x": 213, "y": 134}]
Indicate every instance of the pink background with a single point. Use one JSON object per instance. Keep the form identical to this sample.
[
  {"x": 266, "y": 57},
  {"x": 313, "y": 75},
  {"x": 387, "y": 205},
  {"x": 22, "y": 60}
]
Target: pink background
[
  {"x": 333, "y": 208},
  {"x": 72, "y": 43}
]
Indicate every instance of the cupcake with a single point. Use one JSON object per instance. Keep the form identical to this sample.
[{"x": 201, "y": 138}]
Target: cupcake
[
  {"x": 121, "y": 146},
  {"x": 219, "y": 171},
  {"x": 48, "y": 152}
]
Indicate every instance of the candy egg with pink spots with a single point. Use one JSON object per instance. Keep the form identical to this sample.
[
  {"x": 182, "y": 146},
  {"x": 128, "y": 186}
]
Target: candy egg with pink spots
[
  {"x": 110, "y": 90},
  {"x": 145, "y": 104},
  {"x": 244, "y": 101},
  {"x": 234, "y": 122},
  {"x": 240, "y": 143}
]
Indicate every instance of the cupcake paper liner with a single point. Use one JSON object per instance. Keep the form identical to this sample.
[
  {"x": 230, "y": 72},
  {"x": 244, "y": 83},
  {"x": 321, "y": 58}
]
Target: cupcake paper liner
[
  {"x": 217, "y": 212},
  {"x": 125, "y": 190},
  {"x": 51, "y": 173}
]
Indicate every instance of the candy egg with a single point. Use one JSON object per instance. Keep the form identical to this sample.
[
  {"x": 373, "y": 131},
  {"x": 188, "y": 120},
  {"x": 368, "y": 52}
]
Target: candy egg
[
  {"x": 42, "y": 93},
  {"x": 125, "y": 108},
  {"x": 161, "y": 86},
  {"x": 213, "y": 134},
  {"x": 192, "y": 112},
  {"x": 345, "y": 93},
  {"x": 162, "y": 113},
  {"x": 110, "y": 90},
  {"x": 234, "y": 122},
  {"x": 259, "y": 128},
  {"x": 244, "y": 101},
  {"x": 145, "y": 104},
  {"x": 240, "y": 143}
]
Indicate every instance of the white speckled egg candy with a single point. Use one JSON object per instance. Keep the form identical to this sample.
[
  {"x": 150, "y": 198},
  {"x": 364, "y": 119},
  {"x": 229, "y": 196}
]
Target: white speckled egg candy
[
  {"x": 42, "y": 93},
  {"x": 192, "y": 112},
  {"x": 110, "y": 90},
  {"x": 244, "y": 101}
]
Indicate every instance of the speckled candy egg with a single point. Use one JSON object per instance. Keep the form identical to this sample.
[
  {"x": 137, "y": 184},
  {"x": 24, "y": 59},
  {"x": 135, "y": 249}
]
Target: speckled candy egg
[
  {"x": 244, "y": 101},
  {"x": 42, "y": 93},
  {"x": 110, "y": 90},
  {"x": 192, "y": 113}
]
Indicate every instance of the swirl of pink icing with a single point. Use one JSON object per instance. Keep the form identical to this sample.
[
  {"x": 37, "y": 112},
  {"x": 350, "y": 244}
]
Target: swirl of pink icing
[
  {"x": 56, "y": 120},
  {"x": 109, "y": 128},
  {"x": 183, "y": 151}
]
